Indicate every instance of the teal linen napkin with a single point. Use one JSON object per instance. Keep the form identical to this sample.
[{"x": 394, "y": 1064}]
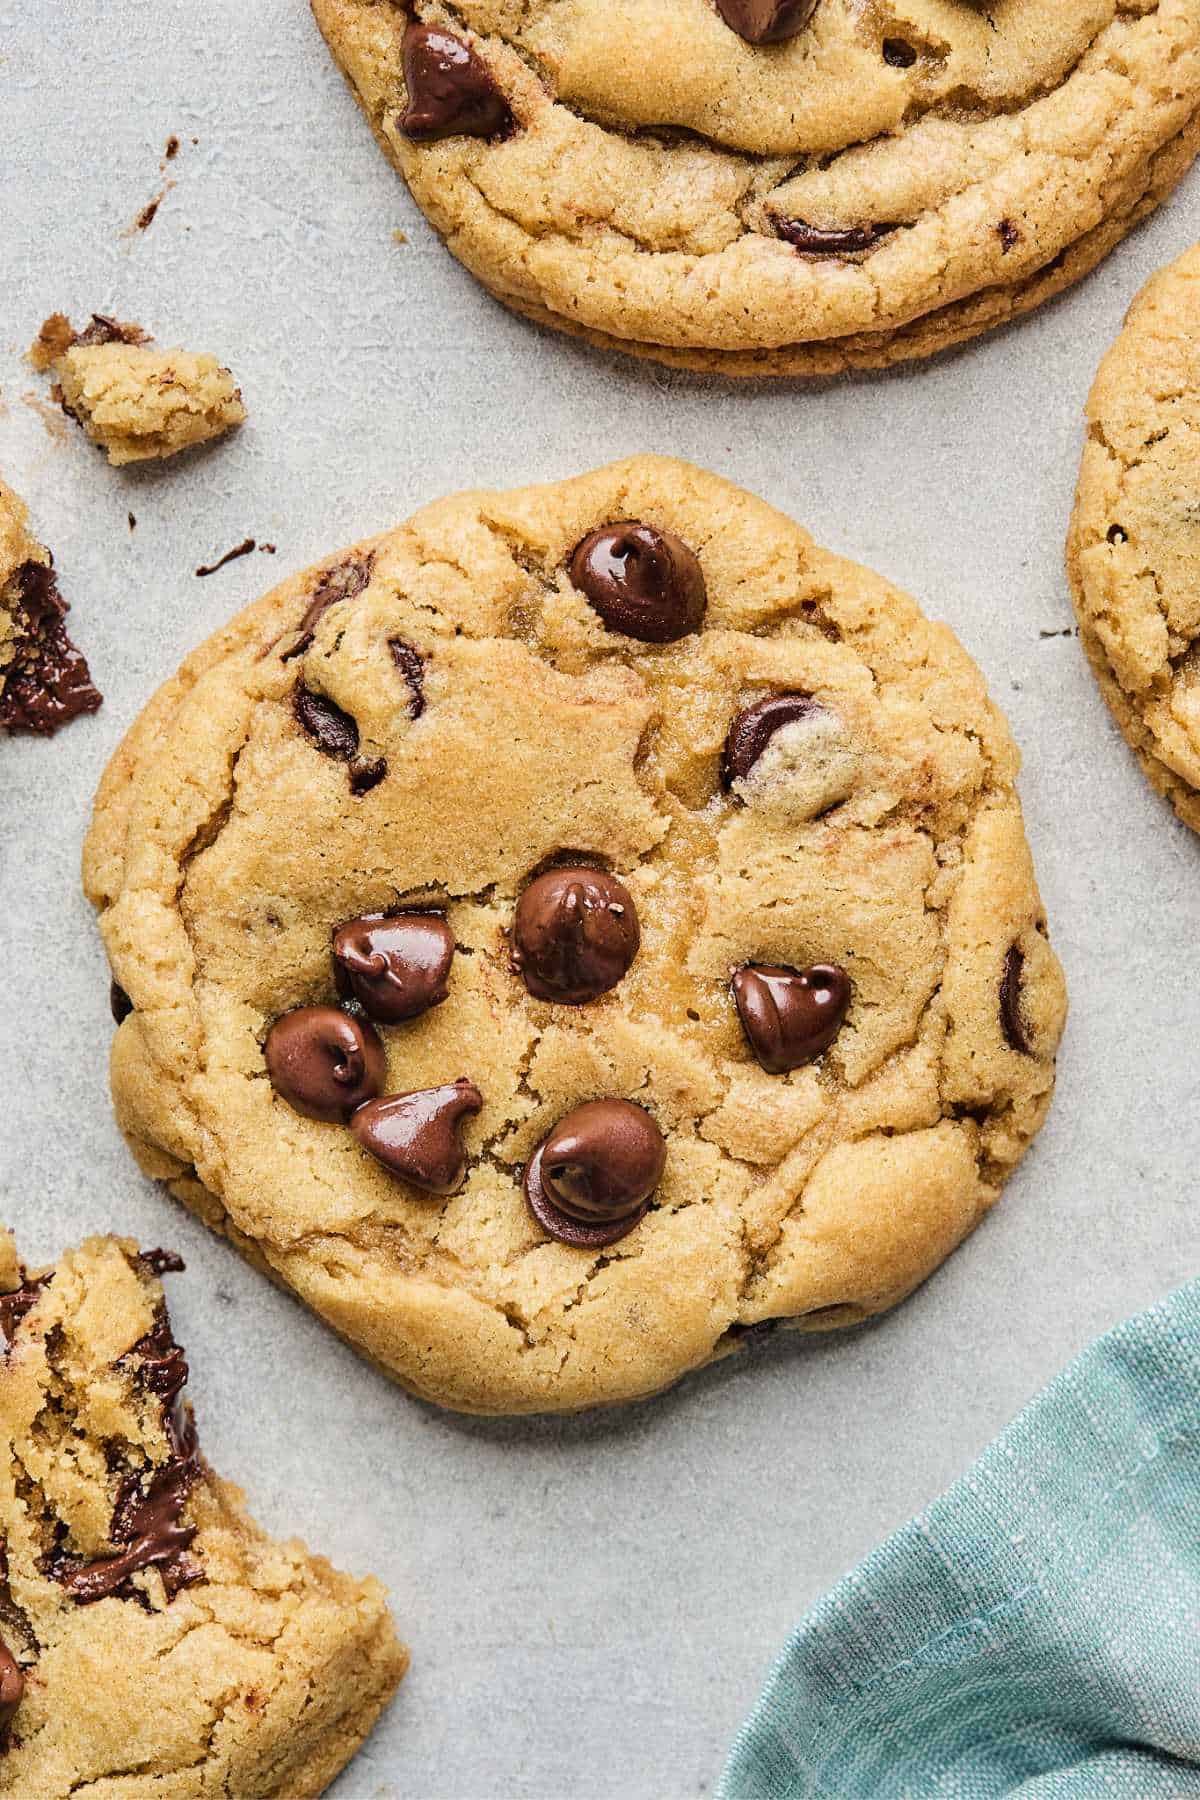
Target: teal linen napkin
[{"x": 1036, "y": 1631}]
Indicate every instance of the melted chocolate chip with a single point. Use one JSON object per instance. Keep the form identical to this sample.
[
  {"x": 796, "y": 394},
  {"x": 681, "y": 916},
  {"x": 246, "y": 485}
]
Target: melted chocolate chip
[
  {"x": 411, "y": 664},
  {"x": 15, "y": 1305},
  {"x": 104, "y": 329},
  {"x": 162, "y": 1262},
  {"x": 898, "y": 53},
  {"x": 119, "y": 1002},
  {"x": 644, "y": 583},
  {"x": 12, "y": 1688},
  {"x": 1010, "y": 237},
  {"x": 754, "y": 728},
  {"x": 815, "y": 240},
  {"x": 575, "y": 933},
  {"x": 344, "y": 581},
  {"x": 451, "y": 90},
  {"x": 48, "y": 682},
  {"x": 324, "y": 1063},
  {"x": 395, "y": 967},
  {"x": 418, "y": 1136},
  {"x": 589, "y": 1182},
  {"x": 1012, "y": 1024},
  {"x": 245, "y": 548},
  {"x": 336, "y": 734},
  {"x": 766, "y": 21},
  {"x": 790, "y": 1016}
]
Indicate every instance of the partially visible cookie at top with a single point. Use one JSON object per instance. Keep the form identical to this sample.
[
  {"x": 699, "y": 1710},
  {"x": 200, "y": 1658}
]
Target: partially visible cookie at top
[
  {"x": 44, "y": 680},
  {"x": 1133, "y": 553},
  {"x": 573, "y": 929},
  {"x": 136, "y": 401},
  {"x": 777, "y": 187}
]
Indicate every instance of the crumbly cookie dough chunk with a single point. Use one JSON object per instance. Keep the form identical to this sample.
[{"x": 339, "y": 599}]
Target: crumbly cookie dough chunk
[
  {"x": 136, "y": 401},
  {"x": 1133, "y": 554},
  {"x": 574, "y": 927},
  {"x": 44, "y": 681},
  {"x": 770, "y": 187},
  {"x": 153, "y": 1640}
]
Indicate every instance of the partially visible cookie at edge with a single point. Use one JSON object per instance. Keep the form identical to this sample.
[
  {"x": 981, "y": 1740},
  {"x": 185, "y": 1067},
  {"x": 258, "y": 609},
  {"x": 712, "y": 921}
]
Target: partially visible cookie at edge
[
  {"x": 139, "y": 403},
  {"x": 1133, "y": 551},
  {"x": 574, "y": 929},
  {"x": 44, "y": 680},
  {"x": 153, "y": 1639},
  {"x": 777, "y": 189}
]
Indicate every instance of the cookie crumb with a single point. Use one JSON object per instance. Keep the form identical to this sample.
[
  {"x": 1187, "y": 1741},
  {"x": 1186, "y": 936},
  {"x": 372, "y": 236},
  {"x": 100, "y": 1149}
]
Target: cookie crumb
[
  {"x": 44, "y": 681},
  {"x": 246, "y": 546},
  {"x": 399, "y": 237},
  {"x": 132, "y": 523}
]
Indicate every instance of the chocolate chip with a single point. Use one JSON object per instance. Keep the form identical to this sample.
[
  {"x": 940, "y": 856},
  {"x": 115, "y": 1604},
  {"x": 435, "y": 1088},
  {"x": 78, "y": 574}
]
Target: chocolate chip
[
  {"x": 104, "y": 329},
  {"x": 898, "y": 54},
  {"x": 14, "y": 1305},
  {"x": 411, "y": 664},
  {"x": 162, "y": 1262},
  {"x": 790, "y": 1016},
  {"x": 451, "y": 90},
  {"x": 336, "y": 734},
  {"x": 754, "y": 728},
  {"x": 323, "y": 1062},
  {"x": 589, "y": 1182},
  {"x": 12, "y": 1687},
  {"x": 417, "y": 1136},
  {"x": 119, "y": 1002},
  {"x": 766, "y": 21},
  {"x": 395, "y": 967},
  {"x": 344, "y": 581},
  {"x": 48, "y": 682},
  {"x": 1011, "y": 1022},
  {"x": 816, "y": 240},
  {"x": 575, "y": 933},
  {"x": 643, "y": 582},
  {"x": 1010, "y": 237}
]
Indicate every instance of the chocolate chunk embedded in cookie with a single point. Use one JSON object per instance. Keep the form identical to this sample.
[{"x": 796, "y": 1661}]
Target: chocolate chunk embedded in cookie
[
  {"x": 662, "y": 986},
  {"x": 44, "y": 680},
  {"x": 778, "y": 187}
]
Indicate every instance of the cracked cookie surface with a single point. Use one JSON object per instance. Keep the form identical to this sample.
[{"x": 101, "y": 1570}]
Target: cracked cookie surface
[
  {"x": 1133, "y": 553},
  {"x": 152, "y": 1639},
  {"x": 505, "y": 729},
  {"x": 890, "y": 179}
]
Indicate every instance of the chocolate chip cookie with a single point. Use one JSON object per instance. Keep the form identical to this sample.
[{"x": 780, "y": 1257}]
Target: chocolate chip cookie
[
  {"x": 138, "y": 402},
  {"x": 44, "y": 681},
  {"x": 573, "y": 928},
  {"x": 153, "y": 1640},
  {"x": 777, "y": 187},
  {"x": 1133, "y": 555}
]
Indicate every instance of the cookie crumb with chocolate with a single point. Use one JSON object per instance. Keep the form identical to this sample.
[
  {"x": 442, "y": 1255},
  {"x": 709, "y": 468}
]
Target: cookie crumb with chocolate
[
  {"x": 137, "y": 401},
  {"x": 44, "y": 680}
]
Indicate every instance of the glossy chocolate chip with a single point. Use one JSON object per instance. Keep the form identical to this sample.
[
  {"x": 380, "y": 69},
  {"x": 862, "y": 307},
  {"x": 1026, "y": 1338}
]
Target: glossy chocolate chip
[
  {"x": 12, "y": 1687},
  {"x": 766, "y": 21},
  {"x": 589, "y": 1182},
  {"x": 790, "y": 1016},
  {"x": 324, "y": 1063},
  {"x": 817, "y": 240},
  {"x": 754, "y": 728},
  {"x": 335, "y": 734},
  {"x": 575, "y": 933},
  {"x": 343, "y": 581},
  {"x": 1012, "y": 1024},
  {"x": 451, "y": 90},
  {"x": 48, "y": 682},
  {"x": 120, "y": 1005},
  {"x": 644, "y": 583},
  {"x": 395, "y": 967},
  {"x": 418, "y": 1136},
  {"x": 411, "y": 664}
]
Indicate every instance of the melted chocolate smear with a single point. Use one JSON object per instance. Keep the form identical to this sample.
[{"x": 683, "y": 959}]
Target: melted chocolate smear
[
  {"x": 335, "y": 733},
  {"x": 49, "y": 683},
  {"x": 1011, "y": 1022},
  {"x": 243, "y": 549},
  {"x": 14, "y": 1306},
  {"x": 345, "y": 581},
  {"x": 147, "y": 1516},
  {"x": 411, "y": 664},
  {"x": 812, "y": 240}
]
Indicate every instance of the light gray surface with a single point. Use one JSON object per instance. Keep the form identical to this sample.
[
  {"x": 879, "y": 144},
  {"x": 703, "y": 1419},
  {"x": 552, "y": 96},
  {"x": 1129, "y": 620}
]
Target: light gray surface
[{"x": 591, "y": 1604}]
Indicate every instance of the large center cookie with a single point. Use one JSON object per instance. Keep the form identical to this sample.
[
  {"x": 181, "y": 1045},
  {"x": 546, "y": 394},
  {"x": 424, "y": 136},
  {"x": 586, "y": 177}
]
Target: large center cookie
[
  {"x": 572, "y": 929},
  {"x": 1134, "y": 551},
  {"x": 778, "y": 186}
]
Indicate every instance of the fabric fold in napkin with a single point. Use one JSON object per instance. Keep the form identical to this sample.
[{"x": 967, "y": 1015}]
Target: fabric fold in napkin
[{"x": 1034, "y": 1632}]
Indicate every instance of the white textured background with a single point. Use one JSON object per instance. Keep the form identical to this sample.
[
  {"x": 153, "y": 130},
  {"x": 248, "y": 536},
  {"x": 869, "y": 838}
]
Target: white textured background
[{"x": 591, "y": 1604}]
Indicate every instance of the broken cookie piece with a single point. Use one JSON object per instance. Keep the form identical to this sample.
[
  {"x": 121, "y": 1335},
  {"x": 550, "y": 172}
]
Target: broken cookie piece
[
  {"x": 152, "y": 1638},
  {"x": 133, "y": 399},
  {"x": 44, "y": 681}
]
